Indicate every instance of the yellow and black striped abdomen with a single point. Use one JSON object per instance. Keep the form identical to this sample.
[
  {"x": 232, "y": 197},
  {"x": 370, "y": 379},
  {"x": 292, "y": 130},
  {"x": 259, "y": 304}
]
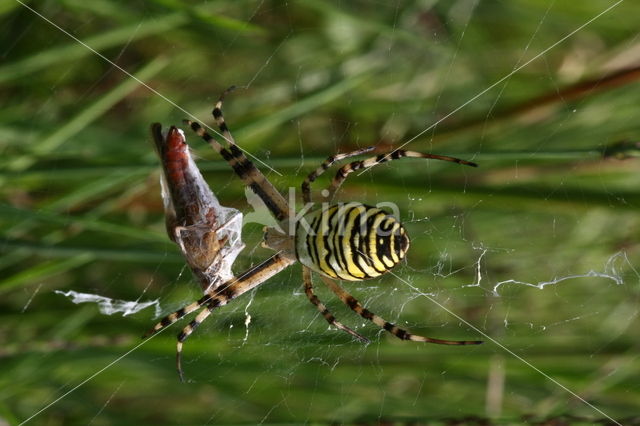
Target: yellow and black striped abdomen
[{"x": 350, "y": 241}]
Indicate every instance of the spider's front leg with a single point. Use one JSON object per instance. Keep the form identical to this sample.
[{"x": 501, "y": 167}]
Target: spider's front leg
[
  {"x": 242, "y": 166},
  {"x": 344, "y": 171},
  {"x": 220, "y": 296},
  {"x": 326, "y": 164}
]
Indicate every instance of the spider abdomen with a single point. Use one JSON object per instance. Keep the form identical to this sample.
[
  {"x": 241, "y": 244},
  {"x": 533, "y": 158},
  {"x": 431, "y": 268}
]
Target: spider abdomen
[{"x": 350, "y": 241}]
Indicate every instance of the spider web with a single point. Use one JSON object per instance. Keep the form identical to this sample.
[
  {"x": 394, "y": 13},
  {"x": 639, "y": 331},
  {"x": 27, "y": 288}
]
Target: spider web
[{"x": 534, "y": 252}]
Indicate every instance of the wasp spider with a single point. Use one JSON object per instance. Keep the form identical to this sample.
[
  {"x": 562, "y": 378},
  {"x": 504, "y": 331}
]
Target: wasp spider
[{"x": 349, "y": 241}]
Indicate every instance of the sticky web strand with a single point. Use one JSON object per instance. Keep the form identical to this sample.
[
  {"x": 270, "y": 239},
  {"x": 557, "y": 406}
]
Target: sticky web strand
[
  {"x": 108, "y": 306},
  {"x": 610, "y": 272},
  {"x": 543, "y": 284}
]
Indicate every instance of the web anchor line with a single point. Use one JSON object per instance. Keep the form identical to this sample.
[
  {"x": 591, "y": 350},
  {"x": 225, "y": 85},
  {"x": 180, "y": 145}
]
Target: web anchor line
[
  {"x": 142, "y": 83},
  {"x": 509, "y": 75}
]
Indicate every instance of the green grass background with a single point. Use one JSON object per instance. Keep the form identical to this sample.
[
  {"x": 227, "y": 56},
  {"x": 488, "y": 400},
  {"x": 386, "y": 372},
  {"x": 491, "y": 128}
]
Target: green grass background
[{"x": 80, "y": 209}]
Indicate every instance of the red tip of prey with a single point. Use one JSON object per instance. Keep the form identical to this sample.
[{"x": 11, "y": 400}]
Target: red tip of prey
[{"x": 175, "y": 140}]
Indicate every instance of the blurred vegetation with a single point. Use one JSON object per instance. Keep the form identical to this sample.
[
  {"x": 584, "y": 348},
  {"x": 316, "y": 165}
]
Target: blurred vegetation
[{"x": 554, "y": 201}]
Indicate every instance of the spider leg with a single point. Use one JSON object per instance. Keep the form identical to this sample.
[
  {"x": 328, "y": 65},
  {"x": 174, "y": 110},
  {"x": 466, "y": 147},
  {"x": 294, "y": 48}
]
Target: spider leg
[
  {"x": 248, "y": 173},
  {"x": 400, "y": 333},
  {"x": 273, "y": 195},
  {"x": 229, "y": 290},
  {"x": 347, "y": 169},
  {"x": 220, "y": 296},
  {"x": 175, "y": 316},
  {"x": 306, "y": 185},
  {"x": 308, "y": 289},
  {"x": 217, "y": 115},
  {"x": 186, "y": 332}
]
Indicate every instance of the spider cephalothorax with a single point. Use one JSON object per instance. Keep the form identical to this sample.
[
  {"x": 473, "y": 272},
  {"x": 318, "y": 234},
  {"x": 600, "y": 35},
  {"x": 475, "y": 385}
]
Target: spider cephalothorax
[{"x": 350, "y": 241}]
